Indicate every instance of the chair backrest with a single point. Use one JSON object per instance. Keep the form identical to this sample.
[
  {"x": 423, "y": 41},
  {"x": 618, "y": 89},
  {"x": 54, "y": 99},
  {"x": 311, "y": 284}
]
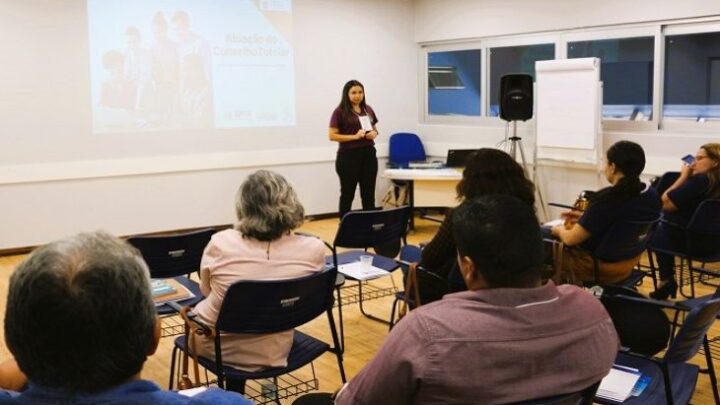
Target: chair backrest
[
  {"x": 270, "y": 306},
  {"x": 641, "y": 326},
  {"x": 404, "y": 148},
  {"x": 584, "y": 397},
  {"x": 173, "y": 255},
  {"x": 665, "y": 181},
  {"x": 364, "y": 229},
  {"x": 703, "y": 232},
  {"x": 690, "y": 336},
  {"x": 624, "y": 240}
]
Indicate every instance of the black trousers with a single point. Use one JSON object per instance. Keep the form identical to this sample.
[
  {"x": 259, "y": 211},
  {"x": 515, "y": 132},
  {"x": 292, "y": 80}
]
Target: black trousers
[{"x": 355, "y": 166}]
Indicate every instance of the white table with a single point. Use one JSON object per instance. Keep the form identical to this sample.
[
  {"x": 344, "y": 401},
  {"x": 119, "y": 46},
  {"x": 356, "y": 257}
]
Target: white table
[{"x": 428, "y": 187}]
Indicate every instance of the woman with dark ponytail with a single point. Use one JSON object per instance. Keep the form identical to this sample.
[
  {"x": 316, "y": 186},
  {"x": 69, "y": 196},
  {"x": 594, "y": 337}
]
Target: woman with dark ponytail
[{"x": 624, "y": 200}]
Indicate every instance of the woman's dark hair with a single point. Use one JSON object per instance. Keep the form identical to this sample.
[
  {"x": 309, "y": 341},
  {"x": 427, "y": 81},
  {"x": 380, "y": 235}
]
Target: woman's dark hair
[
  {"x": 501, "y": 234},
  {"x": 492, "y": 171},
  {"x": 628, "y": 158},
  {"x": 345, "y": 104}
]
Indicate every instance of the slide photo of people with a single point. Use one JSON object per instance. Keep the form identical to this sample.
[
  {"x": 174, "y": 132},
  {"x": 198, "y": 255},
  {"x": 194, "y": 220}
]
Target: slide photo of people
[{"x": 188, "y": 64}]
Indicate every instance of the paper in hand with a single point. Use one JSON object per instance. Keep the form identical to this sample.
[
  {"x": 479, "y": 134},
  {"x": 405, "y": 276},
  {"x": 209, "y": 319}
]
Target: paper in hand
[{"x": 365, "y": 123}]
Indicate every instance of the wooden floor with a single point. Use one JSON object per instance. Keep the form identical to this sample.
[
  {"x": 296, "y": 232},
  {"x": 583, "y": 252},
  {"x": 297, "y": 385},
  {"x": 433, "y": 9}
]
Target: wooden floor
[{"x": 363, "y": 336}]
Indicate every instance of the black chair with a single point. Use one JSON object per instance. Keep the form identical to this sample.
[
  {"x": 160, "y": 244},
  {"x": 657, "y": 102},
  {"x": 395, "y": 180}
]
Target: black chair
[
  {"x": 439, "y": 286},
  {"x": 642, "y": 325},
  {"x": 584, "y": 397},
  {"x": 624, "y": 240},
  {"x": 673, "y": 380},
  {"x": 261, "y": 307},
  {"x": 702, "y": 244},
  {"x": 174, "y": 256},
  {"x": 364, "y": 230},
  {"x": 665, "y": 181}
]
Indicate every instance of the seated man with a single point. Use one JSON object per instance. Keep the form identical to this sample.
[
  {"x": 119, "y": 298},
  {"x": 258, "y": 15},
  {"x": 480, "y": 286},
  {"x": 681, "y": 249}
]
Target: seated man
[
  {"x": 81, "y": 322},
  {"x": 509, "y": 338}
]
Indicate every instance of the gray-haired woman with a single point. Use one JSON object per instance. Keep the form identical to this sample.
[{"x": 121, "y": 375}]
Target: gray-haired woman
[{"x": 260, "y": 247}]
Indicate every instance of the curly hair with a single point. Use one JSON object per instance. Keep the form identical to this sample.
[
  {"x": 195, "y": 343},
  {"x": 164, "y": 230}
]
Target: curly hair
[
  {"x": 492, "y": 171},
  {"x": 267, "y": 206}
]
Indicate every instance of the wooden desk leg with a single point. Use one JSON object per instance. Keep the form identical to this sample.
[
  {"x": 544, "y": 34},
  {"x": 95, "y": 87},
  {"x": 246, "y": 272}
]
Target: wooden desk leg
[{"x": 411, "y": 199}]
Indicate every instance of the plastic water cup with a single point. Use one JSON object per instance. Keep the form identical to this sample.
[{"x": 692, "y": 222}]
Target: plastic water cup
[{"x": 366, "y": 261}]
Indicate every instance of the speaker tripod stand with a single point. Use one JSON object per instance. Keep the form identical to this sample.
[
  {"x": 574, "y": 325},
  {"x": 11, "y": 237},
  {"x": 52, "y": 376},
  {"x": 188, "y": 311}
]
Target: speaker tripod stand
[{"x": 514, "y": 144}]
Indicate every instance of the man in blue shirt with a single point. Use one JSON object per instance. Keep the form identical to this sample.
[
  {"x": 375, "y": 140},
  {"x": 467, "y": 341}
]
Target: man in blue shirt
[{"x": 81, "y": 322}]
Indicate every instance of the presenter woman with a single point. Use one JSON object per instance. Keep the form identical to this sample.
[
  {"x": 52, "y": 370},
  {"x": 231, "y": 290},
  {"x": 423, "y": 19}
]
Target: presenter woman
[{"x": 352, "y": 126}]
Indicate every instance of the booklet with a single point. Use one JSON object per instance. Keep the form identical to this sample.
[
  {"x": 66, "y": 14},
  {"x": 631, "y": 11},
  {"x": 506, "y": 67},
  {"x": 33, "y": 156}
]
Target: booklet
[
  {"x": 169, "y": 289},
  {"x": 619, "y": 383}
]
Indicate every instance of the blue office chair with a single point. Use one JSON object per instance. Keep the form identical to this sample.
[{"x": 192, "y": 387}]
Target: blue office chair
[
  {"x": 175, "y": 256},
  {"x": 702, "y": 243},
  {"x": 363, "y": 230},
  {"x": 405, "y": 147},
  {"x": 261, "y": 307},
  {"x": 673, "y": 380}
]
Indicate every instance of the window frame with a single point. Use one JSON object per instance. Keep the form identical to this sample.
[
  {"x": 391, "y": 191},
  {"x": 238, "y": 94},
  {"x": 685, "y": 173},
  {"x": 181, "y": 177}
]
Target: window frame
[
  {"x": 426, "y": 117},
  {"x": 686, "y": 28},
  {"x": 625, "y": 33},
  {"x": 658, "y": 30}
]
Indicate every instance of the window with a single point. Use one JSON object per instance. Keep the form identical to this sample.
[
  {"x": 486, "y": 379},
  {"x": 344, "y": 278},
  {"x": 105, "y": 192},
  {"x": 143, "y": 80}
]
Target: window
[
  {"x": 626, "y": 71},
  {"x": 514, "y": 59},
  {"x": 454, "y": 82},
  {"x": 692, "y": 77},
  {"x": 444, "y": 77}
]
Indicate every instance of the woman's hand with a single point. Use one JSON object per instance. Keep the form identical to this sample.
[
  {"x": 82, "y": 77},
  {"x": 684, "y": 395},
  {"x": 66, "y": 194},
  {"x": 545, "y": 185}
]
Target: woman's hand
[
  {"x": 360, "y": 134},
  {"x": 371, "y": 135},
  {"x": 686, "y": 171}
]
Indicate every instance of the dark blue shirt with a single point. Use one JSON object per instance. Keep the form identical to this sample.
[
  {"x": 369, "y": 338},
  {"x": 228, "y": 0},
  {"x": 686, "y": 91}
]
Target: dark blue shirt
[
  {"x": 600, "y": 216},
  {"x": 139, "y": 392},
  {"x": 686, "y": 198}
]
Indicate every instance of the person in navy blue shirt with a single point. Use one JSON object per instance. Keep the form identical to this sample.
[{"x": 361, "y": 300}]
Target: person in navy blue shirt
[
  {"x": 80, "y": 321},
  {"x": 625, "y": 200},
  {"x": 698, "y": 181}
]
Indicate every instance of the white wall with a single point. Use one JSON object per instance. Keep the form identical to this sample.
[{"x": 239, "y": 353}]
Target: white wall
[
  {"x": 152, "y": 182},
  {"x": 438, "y": 21}
]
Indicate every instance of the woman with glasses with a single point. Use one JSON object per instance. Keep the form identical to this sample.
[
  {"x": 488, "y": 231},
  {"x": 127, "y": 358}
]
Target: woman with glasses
[{"x": 697, "y": 182}]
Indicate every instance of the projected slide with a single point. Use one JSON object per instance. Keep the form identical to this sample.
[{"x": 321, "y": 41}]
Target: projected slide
[{"x": 190, "y": 64}]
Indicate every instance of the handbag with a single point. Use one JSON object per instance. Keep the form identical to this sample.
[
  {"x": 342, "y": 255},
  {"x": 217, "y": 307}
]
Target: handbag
[
  {"x": 411, "y": 297},
  {"x": 190, "y": 351}
]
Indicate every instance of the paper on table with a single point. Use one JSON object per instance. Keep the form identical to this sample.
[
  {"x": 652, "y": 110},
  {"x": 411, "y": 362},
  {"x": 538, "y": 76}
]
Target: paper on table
[
  {"x": 191, "y": 392},
  {"x": 358, "y": 271},
  {"x": 554, "y": 222},
  {"x": 618, "y": 384}
]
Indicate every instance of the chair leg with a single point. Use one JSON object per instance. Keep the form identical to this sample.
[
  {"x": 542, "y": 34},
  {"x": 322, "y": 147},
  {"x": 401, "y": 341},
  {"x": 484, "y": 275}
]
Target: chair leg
[
  {"x": 337, "y": 350},
  {"x": 173, "y": 358},
  {"x": 277, "y": 397},
  {"x": 340, "y": 317},
  {"x": 711, "y": 370},
  {"x": 653, "y": 274},
  {"x": 362, "y": 309},
  {"x": 392, "y": 314}
]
